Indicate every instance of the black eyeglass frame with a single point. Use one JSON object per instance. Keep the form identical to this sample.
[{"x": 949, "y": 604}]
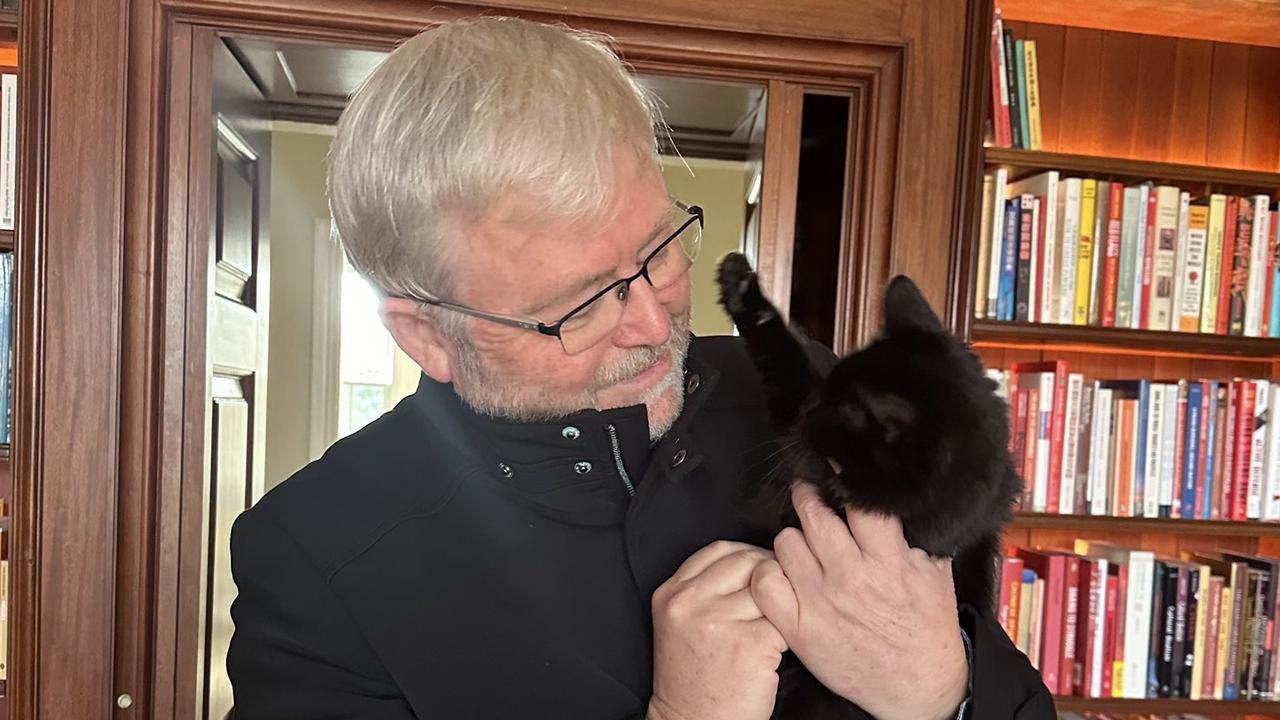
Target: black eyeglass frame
[{"x": 553, "y": 329}]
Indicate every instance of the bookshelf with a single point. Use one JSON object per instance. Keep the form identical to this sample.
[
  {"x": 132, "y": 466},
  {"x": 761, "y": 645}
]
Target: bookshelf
[{"x": 1131, "y": 91}]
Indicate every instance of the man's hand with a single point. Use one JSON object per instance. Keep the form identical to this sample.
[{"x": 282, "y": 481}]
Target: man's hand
[
  {"x": 715, "y": 655},
  {"x": 873, "y": 619}
]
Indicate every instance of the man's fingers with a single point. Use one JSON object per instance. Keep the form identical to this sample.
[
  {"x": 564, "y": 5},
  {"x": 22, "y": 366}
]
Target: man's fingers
[
  {"x": 701, "y": 560},
  {"x": 878, "y": 536},
  {"x": 732, "y": 572},
  {"x": 826, "y": 535},
  {"x": 776, "y": 598},
  {"x": 796, "y": 558}
]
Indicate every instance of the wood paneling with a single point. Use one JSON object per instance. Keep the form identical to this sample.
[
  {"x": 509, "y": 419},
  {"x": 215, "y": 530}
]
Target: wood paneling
[
  {"x": 1250, "y": 22},
  {"x": 1157, "y": 98}
]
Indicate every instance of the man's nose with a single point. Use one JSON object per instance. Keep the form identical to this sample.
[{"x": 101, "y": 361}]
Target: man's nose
[{"x": 645, "y": 321}]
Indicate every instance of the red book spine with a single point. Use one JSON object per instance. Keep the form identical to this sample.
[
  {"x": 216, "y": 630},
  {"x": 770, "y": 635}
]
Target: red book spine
[
  {"x": 1207, "y": 404},
  {"x": 1148, "y": 259},
  {"x": 1111, "y": 270},
  {"x": 1010, "y": 595},
  {"x": 1179, "y": 451},
  {"x": 1071, "y": 625},
  {"x": 1122, "y": 590},
  {"x": 1229, "y": 452},
  {"x": 1020, "y": 442},
  {"x": 1240, "y": 266},
  {"x": 999, "y": 103},
  {"x": 1212, "y": 628},
  {"x": 1243, "y": 452},
  {"x": 1228, "y": 253},
  {"x": 1057, "y": 428},
  {"x": 1112, "y": 614}
]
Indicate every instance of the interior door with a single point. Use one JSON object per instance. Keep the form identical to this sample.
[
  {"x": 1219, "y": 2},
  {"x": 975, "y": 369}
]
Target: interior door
[{"x": 237, "y": 350}]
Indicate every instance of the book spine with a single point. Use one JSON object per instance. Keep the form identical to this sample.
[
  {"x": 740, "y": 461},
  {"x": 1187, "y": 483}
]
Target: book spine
[
  {"x": 1255, "y": 294},
  {"x": 1015, "y": 101},
  {"x": 998, "y": 248},
  {"x": 1166, "y": 609},
  {"x": 1213, "y": 263},
  {"x": 1154, "y": 451},
  {"x": 1085, "y": 250},
  {"x": 1070, "y": 440},
  {"x": 1101, "y": 221},
  {"x": 1182, "y": 619},
  {"x": 1198, "y": 609},
  {"x": 1069, "y": 217},
  {"x": 1208, "y": 435},
  {"x": 1044, "y": 441},
  {"x": 1146, "y": 258},
  {"x": 999, "y": 85},
  {"x": 1037, "y": 297},
  {"x": 1274, "y": 238},
  {"x": 1179, "y": 450},
  {"x": 1138, "y": 631},
  {"x": 1124, "y": 459},
  {"x": 1227, "y": 656},
  {"x": 1010, "y": 584},
  {"x": 1271, "y": 493},
  {"x": 1193, "y": 279},
  {"x": 1070, "y": 624},
  {"x": 1183, "y": 229},
  {"x": 1024, "y": 122},
  {"x": 1084, "y": 448},
  {"x": 1220, "y": 425},
  {"x": 1243, "y": 450},
  {"x": 1164, "y": 243},
  {"x": 1128, "y": 258},
  {"x": 1057, "y": 433},
  {"x": 1112, "y": 262},
  {"x": 8, "y": 151},
  {"x": 1192, "y": 445},
  {"x": 1258, "y": 447},
  {"x": 1111, "y": 634},
  {"x": 1213, "y": 630},
  {"x": 1011, "y": 239},
  {"x": 1033, "y": 96},
  {"x": 1023, "y": 292},
  {"x": 1100, "y": 464},
  {"x": 1229, "y": 453},
  {"x": 1168, "y": 446},
  {"x": 985, "y": 261},
  {"x": 1229, "y": 232}
]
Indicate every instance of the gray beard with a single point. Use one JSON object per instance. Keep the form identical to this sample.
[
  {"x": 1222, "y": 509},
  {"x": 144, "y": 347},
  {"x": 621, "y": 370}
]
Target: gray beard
[{"x": 479, "y": 387}]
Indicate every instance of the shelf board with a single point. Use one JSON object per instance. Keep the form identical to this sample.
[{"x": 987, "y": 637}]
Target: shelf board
[
  {"x": 1131, "y": 169},
  {"x": 6, "y": 240},
  {"x": 9, "y": 20},
  {"x": 1247, "y": 22},
  {"x": 1138, "y": 341},
  {"x": 1216, "y": 528},
  {"x": 1167, "y": 705}
]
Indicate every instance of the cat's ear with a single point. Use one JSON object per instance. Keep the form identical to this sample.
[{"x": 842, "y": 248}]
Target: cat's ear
[{"x": 905, "y": 309}]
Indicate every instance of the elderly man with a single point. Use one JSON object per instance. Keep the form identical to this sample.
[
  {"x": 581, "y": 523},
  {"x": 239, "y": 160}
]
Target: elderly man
[{"x": 551, "y": 526}]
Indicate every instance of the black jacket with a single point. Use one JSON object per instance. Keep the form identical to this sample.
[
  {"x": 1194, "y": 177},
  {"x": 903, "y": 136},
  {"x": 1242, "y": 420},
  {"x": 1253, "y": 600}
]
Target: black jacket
[{"x": 442, "y": 565}]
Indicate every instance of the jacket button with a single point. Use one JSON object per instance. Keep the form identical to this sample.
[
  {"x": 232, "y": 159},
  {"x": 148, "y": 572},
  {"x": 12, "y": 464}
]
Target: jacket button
[
  {"x": 505, "y": 470},
  {"x": 692, "y": 383},
  {"x": 582, "y": 467},
  {"x": 678, "y": 458},
  {"x": 571, "y": 433}
]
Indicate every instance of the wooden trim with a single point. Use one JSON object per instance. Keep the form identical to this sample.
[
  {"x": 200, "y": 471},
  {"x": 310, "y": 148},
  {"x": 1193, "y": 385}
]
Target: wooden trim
[
  {"x": 1136, "y": 170},
  {"x": 1248, "y": 22},
  {"x": 1107, "y": 524},
  {"x": 966, "y": 223},
  {"x": 68, "y": 403},
  {"x": 784, "y": 105},
  {"x": 1141, "y": 342},
  {"x": 1212, "y": 708}
]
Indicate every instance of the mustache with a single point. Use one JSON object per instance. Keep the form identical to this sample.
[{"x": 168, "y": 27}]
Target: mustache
[{"x": 637, "y": 360}]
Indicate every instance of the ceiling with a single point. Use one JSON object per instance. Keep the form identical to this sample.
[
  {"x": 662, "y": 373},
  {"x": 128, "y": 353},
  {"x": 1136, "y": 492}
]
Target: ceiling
[{"x": 311, "y": 83}]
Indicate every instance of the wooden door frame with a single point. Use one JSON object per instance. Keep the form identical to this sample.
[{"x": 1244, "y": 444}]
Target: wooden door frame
[{"x": 108, "y": 440}]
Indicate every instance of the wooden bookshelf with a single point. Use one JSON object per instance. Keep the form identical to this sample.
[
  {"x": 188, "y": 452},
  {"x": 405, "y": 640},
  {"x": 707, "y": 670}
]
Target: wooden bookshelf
[
  {"x": 1179, "y": 93},
  {"x": 1073, "y": 337}
]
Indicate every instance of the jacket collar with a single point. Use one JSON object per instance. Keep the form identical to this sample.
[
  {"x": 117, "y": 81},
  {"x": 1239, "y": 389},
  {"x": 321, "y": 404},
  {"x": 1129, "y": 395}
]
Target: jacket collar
[{"x": 582, "y": 468}]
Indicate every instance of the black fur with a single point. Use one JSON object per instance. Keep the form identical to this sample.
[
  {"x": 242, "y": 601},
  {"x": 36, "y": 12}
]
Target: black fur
[{"x": 914, "y": 428}]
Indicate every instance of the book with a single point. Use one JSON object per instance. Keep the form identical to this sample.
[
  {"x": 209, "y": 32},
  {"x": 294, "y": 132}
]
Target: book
[
  {"x": 1258, "y": 448},
  {"x": 1274, "y": 319},
  {"x": 1145, "y": 256},
  {"x": 1180, "y": 260},
  {"x": 1015, "y": 100},
  {"x": 1200, "y": 615},
  {"x": 1259, "y": 252},
  {"x": 1010, "y": 595},
  {"x": 984, "y": 248},
  {"x": 1099, "y": 464},
  {"x": 1193, "y": 280},
  {"x": 1044, "y": 186},
  {"x": 1213, "y": 629},
  {"x": 1164, "y": 262},
  {"x": 1271, "y": 484},
  {"x": 1085, "y": 250},
  {"x": 1092, "y": 633},
  {"x": 1213, "y": 263},
  {"x": 1208, "y": 438},
  {"x": 1240, "y": 259},
  {"x": 1137, "y": 601},
  {"x": 1052, "y": 567},
  {"x": 1032, "y": 96},
  {"x": 999, "y": 85},
  {"x": 1151, "y": 495},
  {"x": 1129, "y": 241},
  {"x": 999, "y": 248},
  {"x": 1168, "y": 447},
  {"x": 1084, "y": 448},
  {"x": 1022, "y": 293},
  {"x": 8, "y": 150},
  {"x": 1069, "y": 215},
  {"x": 1219, "y": 451},
  {"x": 1113, "y": 259},
  {"x": 1192, "y": 444},
  {"x": 1023, "y": 119},
  {"x": 1011, "y": 239},
  {"x": 1101, "y": 224},
  {"x": 1069, "y": 443},
  {"x": 1243, "y": 452}
]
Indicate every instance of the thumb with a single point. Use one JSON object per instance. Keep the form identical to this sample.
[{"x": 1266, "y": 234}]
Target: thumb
[{"x": 776, "y": 598}]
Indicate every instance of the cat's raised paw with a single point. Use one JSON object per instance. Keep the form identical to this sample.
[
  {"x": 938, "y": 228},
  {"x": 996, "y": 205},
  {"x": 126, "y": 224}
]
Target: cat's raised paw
[{"x": 736, "y": 280}]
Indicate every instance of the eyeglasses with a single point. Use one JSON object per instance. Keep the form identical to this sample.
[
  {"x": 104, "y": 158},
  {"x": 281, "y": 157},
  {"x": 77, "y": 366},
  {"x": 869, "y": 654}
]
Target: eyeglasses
[{"x": 593, "y": 320}]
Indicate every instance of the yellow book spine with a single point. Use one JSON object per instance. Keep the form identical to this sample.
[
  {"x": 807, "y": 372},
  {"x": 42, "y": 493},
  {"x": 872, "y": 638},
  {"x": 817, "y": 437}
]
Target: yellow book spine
[
  {"x": 1202, "y": 601},
  {"x": 1033, "y": 95},
  {"x": 1213, "y": 265},
  {"x": 1224, "y": 640},
  {"x": 1085, "y": 250}
]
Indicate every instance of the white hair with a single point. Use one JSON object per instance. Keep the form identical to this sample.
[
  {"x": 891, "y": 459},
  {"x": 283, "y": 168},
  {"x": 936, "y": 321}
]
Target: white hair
[{"x": 464, "y": 113}]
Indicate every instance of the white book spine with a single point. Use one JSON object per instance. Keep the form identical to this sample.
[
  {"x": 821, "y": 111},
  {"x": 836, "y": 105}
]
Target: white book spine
[
  {"x": 1050, "y": 248},
  {"x": 1070, "y": 443},
  {"x": 1037, "y": 252},
  {"x": 1137, "y": 638},
  {"x": 1259, "y": 249},
  {"x": 1193, "y": 288},
  {"x": 1099, "y": 631},
  {"x": 1155, "y": 453},
  {"x": 1069, "y": 206},
  {"x": 997, "y": 241},
  {"x": 1257, "y": 448},
  {"x": 1043, "y": 443},
  {"x": 1100, "y": 467},
  {"x": 1181, "y": 260},
  {"x": 8, "y": 150},
  {"x": 1271, "y": 494},
  {"x": 1168, "y": 443}
]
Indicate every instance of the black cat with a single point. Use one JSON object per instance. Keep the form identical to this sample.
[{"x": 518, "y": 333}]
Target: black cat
[{"x": 908, "y": 426}]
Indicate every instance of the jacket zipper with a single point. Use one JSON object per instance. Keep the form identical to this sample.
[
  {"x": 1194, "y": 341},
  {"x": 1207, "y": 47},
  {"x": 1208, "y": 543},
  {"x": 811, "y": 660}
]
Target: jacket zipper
[{"x": 617, "y": 460}]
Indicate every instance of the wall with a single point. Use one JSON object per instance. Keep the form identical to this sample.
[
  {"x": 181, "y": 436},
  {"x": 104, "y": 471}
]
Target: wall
[
  {"x": 720, "y": 187},
  {"x": 297, "y": 201}
]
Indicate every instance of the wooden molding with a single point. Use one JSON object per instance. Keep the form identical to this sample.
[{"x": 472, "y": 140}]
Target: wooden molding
[{"x": 1250, "y": 22}]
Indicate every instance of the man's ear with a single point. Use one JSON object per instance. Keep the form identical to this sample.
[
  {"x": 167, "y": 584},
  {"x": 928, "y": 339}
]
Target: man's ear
[{"x": 418, "y": 336}]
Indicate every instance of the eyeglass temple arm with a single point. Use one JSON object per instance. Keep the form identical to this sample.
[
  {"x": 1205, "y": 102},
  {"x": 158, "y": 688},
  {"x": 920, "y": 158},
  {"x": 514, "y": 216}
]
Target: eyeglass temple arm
[{"x": 500, "y": 319}]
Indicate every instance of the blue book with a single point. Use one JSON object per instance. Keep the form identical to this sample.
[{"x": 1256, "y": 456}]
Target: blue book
[
  {"x": 1210, "y": 456},
  {"x": 1024, "y": 123},
  {"x": 1005, "y": 303},
  {"x": 1274, "y": 330},
  {"x": 1191, "y": 448}
]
